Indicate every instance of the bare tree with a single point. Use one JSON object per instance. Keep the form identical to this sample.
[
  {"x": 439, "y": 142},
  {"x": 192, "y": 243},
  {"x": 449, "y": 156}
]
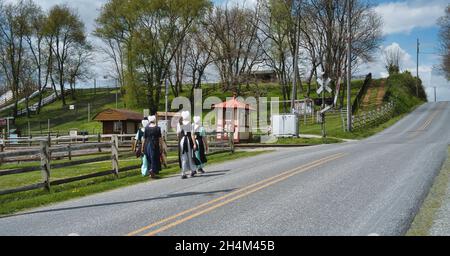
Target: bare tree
[
  {"x": 199, "y": 55},
  {"x": 39, "y": 50},
  {"x": 67, "y": 32},
  {"x": 444, "y": 34},
  {"x": 325, "y": 27},
  {"x": 78, "y": 65},
  {"x": 13, "y": 30},
  {"x": 393, "y": 58},
  {"x": 237, "y": 48}
]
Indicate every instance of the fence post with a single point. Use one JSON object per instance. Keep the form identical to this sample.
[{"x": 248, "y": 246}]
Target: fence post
[
  {"x": 231, "y": 140},
  {"x": 45, "y": 163},
  {"x": 69, "y": 148},
  {"x": 99, "y": 139},
  {"x": 115, "y": 154}
]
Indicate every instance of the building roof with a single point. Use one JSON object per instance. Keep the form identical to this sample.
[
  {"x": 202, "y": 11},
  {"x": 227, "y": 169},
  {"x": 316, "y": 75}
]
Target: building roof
[
  {"x": 169, "y": 114},
  {"x": 233, "y": 103},
  {"x": 118, "y": 115}
]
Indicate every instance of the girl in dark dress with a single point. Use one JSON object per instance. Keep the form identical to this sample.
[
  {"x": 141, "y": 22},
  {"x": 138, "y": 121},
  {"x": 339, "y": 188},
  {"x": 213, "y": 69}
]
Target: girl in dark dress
[
  {"x": 152, "y": 146},
  {"x": 201, "y": 145}
]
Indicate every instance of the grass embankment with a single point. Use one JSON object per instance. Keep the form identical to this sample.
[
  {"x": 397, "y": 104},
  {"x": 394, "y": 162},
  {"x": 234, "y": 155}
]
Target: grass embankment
[
  {"x": 24, "y": 200},
  {"x": 424, "y": 219},
  {"x": 400, "y": 88}
]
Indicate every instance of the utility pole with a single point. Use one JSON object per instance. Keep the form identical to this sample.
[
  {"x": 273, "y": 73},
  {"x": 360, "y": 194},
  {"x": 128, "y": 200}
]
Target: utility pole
[
  {"x": 89, "y": 112},
  {"x": 349, "y": 67},
  {"x": 417, "y": 68},
  {"x": 435, "y": 98},
  {"x": 296, "y": 53}
]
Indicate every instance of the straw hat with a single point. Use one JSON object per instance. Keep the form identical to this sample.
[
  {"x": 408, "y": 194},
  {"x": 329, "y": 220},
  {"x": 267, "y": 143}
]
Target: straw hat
[{"x": 186, "y": 117}]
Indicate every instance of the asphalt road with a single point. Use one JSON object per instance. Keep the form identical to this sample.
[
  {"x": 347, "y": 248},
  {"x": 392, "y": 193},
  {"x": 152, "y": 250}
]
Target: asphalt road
[{"x": 373, "y": 186}]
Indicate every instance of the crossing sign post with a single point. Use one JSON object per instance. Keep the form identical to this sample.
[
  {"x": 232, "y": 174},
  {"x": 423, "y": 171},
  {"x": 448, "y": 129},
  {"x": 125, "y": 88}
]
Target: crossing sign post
[
  {"x": 324, "y": 83},
  {"x": 323, "y": 86}
]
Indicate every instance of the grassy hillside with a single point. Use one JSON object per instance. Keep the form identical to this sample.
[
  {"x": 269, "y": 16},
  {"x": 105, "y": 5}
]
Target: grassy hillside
[
  {"x": 402, "y": 91},
  {"x": 399, "y": 88}
]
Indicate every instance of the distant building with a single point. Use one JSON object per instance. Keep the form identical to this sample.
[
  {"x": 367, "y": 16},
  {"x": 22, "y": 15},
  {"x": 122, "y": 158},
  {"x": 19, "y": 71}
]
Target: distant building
[
  {"x": 264, "y": 76},
  {"x": 119, "y": 121}
]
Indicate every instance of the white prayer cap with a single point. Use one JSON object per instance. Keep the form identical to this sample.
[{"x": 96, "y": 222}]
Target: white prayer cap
[
  {"x": 152, "y": 119},
  {"x": 145, "y": 123},
  {"x": 197, "y": 120},
  {"x": 186, "y": 117}
]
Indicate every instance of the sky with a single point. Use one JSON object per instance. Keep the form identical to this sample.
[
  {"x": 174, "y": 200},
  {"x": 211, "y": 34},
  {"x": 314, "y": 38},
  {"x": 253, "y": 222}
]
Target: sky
[{"x": 403, "y": 23}]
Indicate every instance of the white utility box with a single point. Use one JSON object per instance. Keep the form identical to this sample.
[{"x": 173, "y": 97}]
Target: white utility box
[{"x": 285, "y": 125}]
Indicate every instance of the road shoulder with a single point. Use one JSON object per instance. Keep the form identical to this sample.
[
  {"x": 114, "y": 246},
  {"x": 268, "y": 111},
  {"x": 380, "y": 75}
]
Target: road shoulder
[{"x": 433, "y": 219}]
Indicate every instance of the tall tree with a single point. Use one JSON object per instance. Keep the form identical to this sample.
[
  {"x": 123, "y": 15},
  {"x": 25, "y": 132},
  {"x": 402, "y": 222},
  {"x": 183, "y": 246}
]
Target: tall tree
[
  {"x": 39, "y": 50},
  {"x": 115, "y": 26},
  {"x": 13, "y": 31},
  {"x": 78, "y": 66},
  {"x": 444, "y": 35},
  {"x": 67, "y": 32},
  {"x": 237, "y": 49},
  {"x": 153, "y": 32}
]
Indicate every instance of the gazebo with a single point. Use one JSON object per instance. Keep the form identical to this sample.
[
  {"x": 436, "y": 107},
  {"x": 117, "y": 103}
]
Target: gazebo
[{"x": 233, "y": 116}]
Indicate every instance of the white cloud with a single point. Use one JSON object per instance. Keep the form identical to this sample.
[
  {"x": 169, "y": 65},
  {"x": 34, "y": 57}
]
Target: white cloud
[{"x": 403, "y": 17}]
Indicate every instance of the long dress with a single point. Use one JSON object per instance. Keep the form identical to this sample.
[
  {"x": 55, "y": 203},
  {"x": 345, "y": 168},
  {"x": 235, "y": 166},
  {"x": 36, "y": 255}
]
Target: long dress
[
  {"x": 185, "y": 150},
  {"x": 200, "y": 154},
  {"x": 151, "y": 148},
  {"x": 138, "y": 138}
]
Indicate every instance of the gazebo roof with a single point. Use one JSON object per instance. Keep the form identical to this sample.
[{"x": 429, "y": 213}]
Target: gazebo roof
[{"x": 233, "y": 103}]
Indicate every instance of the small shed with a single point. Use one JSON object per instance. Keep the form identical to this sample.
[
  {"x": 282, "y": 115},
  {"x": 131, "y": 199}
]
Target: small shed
[
  {"x": 234, "y": 116},
  {"x": 119, "y": 121}
]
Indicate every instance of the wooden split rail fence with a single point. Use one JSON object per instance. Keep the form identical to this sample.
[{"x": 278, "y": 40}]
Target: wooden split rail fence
[
  {"x": 44, "y": 154},
  {"x": 374, "y": 117}
]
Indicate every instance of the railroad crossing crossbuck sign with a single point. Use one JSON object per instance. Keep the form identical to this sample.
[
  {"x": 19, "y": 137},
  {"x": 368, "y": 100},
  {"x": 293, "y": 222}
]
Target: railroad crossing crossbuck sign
[{"x": 324, "y": 85}]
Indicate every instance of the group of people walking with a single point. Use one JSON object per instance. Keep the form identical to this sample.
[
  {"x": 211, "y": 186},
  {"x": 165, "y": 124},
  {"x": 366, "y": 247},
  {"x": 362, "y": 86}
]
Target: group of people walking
[{"x": 192, "y": 146}]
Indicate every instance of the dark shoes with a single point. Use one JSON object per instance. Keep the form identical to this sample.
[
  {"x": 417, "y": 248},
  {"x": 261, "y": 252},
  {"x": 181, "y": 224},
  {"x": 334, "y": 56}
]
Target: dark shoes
[
  {"x": 193, "y": 173},
  {"x": 184, "y": 177},
  {"x": 201, "y": 171}
]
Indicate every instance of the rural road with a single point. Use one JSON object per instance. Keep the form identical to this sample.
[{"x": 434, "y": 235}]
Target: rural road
[{"x": 356, "y": 188}]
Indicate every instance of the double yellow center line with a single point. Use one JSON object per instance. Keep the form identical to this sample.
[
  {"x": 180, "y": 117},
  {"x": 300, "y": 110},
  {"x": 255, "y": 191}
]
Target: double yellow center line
[
  {"x": 429, "y": 121},
  {"x": 204, "y": 208}
]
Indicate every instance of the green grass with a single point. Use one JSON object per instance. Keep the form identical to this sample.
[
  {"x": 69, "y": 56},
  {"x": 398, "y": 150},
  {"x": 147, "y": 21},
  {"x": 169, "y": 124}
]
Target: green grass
[
  {"x": 306, "y": 141},
  {"x": 424, "y": 219},
  {"x": 334, "y": 128},
  {"x": 24, "y": 200}
]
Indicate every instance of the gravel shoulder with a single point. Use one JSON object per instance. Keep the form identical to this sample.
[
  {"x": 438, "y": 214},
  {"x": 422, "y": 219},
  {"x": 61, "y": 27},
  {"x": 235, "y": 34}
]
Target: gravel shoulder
[{"x": 433, "y": 219}]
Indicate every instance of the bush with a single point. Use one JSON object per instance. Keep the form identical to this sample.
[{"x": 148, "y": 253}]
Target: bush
[{"x": 402, "y": 91}]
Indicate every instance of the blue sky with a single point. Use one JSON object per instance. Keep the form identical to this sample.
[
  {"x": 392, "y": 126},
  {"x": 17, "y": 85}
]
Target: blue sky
[{"x": 404, "y": 22}]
